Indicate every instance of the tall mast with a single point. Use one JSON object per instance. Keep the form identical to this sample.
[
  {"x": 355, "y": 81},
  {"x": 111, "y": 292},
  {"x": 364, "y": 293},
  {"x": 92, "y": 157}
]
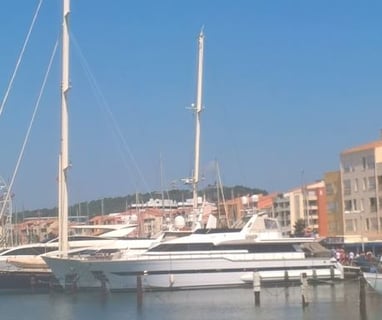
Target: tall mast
[
  {"x": 198, "y": 110},
  {"x": 63, "y": 157}
]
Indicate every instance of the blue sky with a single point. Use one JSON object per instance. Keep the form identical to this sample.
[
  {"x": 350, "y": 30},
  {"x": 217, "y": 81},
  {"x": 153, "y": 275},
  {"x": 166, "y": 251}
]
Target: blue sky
[{"x": 287, "y": 86}]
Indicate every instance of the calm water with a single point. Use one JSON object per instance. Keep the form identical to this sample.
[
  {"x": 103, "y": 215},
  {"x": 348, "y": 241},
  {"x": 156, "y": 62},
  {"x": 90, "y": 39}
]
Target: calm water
[{"x": 326, "y": 302}]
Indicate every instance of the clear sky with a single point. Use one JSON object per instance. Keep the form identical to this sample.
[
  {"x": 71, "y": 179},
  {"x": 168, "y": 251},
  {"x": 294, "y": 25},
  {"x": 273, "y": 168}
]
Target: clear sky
[{"x": 287, "y": 86}]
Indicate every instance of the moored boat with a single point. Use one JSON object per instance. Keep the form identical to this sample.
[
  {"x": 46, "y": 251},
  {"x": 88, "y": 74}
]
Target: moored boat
[
  {"x": 373, "y": 275},
  {"x": 26, "y": 259},
  {"x": 374, "y": 280},
  {"x": 203, "y": 259}
]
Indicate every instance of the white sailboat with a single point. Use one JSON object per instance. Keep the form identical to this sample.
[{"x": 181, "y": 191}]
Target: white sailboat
[
  {"x": 63, "y": 166},
  {"x": 27, "y": 257},
  {"x": 40, "y": 274},
  {"x": 196, "y": 215},
  {"x": 59, "y": 264},
  {"x": 198, "y": 110},
  {"x": 217, "y": 258}
]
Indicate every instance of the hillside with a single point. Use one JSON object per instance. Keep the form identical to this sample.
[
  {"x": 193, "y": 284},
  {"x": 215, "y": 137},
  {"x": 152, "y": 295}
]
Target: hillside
[{"x": 119, "y": 204}]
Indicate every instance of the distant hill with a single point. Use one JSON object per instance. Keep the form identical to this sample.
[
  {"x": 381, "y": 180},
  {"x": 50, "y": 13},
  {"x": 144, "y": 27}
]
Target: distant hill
[{"x": 119, "y": 204}]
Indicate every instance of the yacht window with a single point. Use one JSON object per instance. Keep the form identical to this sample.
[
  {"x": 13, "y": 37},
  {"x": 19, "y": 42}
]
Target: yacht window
[
  {"x": 173, "y": 247},
  {"x": 29, "y": 251},
  {"x": 270, "y": 224},
  {"x": 79, "y": 238}
]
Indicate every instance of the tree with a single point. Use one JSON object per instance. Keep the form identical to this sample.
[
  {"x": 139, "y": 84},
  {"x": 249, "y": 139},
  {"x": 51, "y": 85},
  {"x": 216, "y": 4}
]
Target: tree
[{"x": 299, "y": 228}]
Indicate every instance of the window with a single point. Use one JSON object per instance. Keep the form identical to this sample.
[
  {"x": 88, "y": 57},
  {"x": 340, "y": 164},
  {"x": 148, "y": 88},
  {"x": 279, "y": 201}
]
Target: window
[
  {"x": 37, "y": 250},
  {"x": 373, "y": 224},
  {"x": 371, "y": 183},
  {"x": 348, "y": 206},
  {"x": 347, "y": 167},
  {"x": 373, "y": 204},
  {"x": 349, "y": 226},
  {"x": 364, "y": 163},
  {"x": 355, "y": 207},
  {"x": 356, "y": 185},
  {"x": 347, "y": 187},
  {"x": 370, "y": 162},
  {"x": 329, "y": 189},
  {"x": 270, "y": 224}
]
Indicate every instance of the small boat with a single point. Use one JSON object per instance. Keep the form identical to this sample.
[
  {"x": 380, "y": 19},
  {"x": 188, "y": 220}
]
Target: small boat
[
  {"x": 374, "y": 280},
  {"x": 28, "y": 262},
  {"x": 22, "y": 266},
  {"x": 116, "y": 236},
  {"x": 373, "y": 276}
]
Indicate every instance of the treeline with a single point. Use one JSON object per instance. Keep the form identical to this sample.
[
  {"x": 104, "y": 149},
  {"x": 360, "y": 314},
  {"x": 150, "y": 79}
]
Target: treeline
[{"x": 120, "y": 204}]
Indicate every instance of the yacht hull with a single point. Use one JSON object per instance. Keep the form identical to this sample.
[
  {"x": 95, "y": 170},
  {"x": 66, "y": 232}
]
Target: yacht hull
[{"x": 193, "y": 272}]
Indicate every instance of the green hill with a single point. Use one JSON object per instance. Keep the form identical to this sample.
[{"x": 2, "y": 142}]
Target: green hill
[{"x": 120, "y": 204}]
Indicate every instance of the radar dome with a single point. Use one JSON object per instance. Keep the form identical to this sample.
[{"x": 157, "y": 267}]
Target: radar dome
[
  {"x": 179, "y": 222},
  {"x": 255, "y": 198},
  {"x": 244, "y": 200}
]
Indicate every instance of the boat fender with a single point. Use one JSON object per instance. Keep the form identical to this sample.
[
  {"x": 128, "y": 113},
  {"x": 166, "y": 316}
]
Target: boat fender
[{"x": 171, "y": 279}]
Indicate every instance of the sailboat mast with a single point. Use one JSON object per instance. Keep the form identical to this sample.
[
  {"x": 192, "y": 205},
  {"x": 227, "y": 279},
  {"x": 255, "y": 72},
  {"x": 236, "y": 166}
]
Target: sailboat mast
[
  {"x": 198, "y": 110},
  {"x": 63, "y": 157}
]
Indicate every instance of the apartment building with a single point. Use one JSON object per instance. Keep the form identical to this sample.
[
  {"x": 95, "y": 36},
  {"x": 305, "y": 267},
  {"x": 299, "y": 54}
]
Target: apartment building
[
  {"x": 281, "y": 211},
  {"x": 334, "y": 209},
  {"x": 361, "y": 178},
  {"x": 308, "y": 203}
]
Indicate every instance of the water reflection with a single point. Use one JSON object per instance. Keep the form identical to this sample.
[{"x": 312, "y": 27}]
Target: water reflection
[{"x": 340, "y": 301}]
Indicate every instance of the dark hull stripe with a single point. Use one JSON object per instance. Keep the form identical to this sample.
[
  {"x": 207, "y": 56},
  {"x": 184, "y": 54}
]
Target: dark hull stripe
[{"x": 193, "y": 271}]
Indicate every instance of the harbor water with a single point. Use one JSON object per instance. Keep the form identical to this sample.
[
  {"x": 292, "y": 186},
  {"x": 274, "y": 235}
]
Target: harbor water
[{"x": 326, "y": 301}]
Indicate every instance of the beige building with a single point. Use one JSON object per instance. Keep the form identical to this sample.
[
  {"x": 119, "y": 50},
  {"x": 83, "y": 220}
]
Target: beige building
[
  {"x": 304, "y": 204},
  {"x": 334, "y": 209},
  {"x": 361, "y": 177}
]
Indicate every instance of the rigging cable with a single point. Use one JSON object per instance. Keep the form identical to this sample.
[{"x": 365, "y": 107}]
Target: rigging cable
[
  {"x": 5, "y": 98},
  {"x": 37, "y": 104},
  {"x": 102, "y": 101}
]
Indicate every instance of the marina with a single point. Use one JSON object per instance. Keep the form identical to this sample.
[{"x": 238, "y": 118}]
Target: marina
[
  {"x": 267, "y": 261},
  {"x": 220, "y": 259},
  {"x": 206, "y": 258}
]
